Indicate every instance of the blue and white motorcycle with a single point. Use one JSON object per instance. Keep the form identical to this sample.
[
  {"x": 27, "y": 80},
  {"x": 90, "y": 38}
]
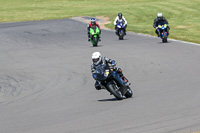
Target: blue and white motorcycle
[
  {"x": 112, "y": 82},
  {"x": 121, "y": 30}
]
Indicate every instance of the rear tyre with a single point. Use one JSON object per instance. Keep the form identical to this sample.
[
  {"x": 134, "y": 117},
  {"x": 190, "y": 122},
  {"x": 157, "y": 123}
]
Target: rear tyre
[
  {"x": 129, "y": 93},
  {"x": 121, "y": 37},
  {"x": 113, "y": 89}
]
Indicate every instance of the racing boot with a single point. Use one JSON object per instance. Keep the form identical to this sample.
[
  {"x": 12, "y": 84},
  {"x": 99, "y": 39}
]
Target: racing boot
[
  {"x": 88, "y": 36},
  {"x": 119, "y": 71},
  {"x": 116, "y": 32},
  {"x": 100, "y": 35},
  {"x": 99, "y": 38},
  {"x": 98, "y": 85},
  {"x": 158, "y": 32}
]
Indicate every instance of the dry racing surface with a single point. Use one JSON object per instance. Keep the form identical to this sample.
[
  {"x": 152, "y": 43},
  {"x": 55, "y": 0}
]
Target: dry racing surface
[{"x": 46, "y": 85}]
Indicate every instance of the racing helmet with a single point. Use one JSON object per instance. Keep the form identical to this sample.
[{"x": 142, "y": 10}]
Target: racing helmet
[
  {"x": 93, "y": 21},
  {"x": 159, "y": 15},
  {"x": 120, "y": 15},
  {"x": 96, "y": 58}
]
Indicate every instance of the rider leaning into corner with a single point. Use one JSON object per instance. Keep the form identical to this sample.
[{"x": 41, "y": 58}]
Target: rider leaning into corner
[
  {"x": 91, "y": 24},
  {"x": 120, "y": 18},
  {"x": 97, "y": 60},
  {"x": 160, "y": 19}
]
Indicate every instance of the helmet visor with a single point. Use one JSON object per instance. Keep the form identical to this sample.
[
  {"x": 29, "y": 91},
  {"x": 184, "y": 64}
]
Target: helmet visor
[
  {"x": 92, "y": 23},
  {"x": 120, "y": 16},
  {"x": 95, "y": 60},
  {"x": 160, "y": 18}
]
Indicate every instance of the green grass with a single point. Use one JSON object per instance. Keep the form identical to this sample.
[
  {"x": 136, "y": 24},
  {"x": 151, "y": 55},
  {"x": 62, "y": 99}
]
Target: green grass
[{"x": 183, "y": 15}]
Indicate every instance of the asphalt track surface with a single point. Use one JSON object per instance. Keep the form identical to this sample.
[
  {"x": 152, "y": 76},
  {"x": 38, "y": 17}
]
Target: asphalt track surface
[{"x": 46, "y": 84}]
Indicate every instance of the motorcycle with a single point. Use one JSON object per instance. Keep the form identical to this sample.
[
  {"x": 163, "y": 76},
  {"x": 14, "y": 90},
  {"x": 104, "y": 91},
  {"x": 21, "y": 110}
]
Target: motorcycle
[
  {"x": 163, "y": 32},
  {"x": 94, "y": 35},
  {"x": 121, "y": 30},
  {"x": 112, "y": 82}
]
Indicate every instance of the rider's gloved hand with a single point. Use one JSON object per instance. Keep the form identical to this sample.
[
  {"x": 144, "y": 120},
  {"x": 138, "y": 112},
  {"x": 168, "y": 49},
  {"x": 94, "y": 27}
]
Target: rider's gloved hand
[
  {"x": 119, "y": 70},
  {"x": 112, "y": 62},
  {"x": 93, "y": 70},
  {"x": 106, "y": 59}
]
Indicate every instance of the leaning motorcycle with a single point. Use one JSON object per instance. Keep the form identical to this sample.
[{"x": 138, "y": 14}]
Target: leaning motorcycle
[
  {"x": 112, "y": 82},
  {"x": 163, "y": 32},
  {"x": 121, "y": 30},
  {"x": 94, "y": 35}
]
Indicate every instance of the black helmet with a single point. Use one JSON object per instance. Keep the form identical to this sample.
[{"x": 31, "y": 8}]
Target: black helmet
[
  {"x": 93, "y": 21},
  {"x": 120, "y": 15}
]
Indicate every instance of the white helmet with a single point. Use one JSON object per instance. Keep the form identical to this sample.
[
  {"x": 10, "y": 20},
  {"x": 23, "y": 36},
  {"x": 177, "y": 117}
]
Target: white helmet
[
  {"x": 159, "y": 15},
  {"x": 96, "y": 58}
]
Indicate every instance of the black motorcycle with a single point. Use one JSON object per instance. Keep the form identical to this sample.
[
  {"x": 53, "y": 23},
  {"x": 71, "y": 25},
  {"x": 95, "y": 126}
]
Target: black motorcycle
[{"x": 112, "y": 82}]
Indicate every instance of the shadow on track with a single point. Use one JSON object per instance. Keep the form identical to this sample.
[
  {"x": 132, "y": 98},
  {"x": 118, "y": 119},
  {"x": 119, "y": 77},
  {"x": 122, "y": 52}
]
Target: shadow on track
[
  {"x": 97, "y": 46},
  {"x": 164, "y": 43},
  {"x": 106, "y": 100}
]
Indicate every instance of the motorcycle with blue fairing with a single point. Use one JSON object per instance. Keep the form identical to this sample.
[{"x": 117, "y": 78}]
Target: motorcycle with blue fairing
[
  {"x": 112, "y": 82},
  {"x": 163, "y": 32},
  {"x": 121, "y": 29}
]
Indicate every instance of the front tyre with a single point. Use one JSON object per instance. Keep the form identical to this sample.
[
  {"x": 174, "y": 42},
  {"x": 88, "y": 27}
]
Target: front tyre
[
  {"x": 129, "y": 92},
  {"x": 95, "y": 40},
  {"x": 121, "y": 35},
  {"x": 113, "y": 89},
  {"x": 164, "y": 37}
]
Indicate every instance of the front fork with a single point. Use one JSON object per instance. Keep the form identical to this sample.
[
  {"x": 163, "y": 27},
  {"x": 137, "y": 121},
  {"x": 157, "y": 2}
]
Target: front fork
[
  {"x": 118, "y": 78},
  {"x": 123, "y": 87}
]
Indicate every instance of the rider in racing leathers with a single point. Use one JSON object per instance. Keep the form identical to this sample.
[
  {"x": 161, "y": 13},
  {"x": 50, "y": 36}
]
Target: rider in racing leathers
[
  {"x": 90, "y": 24},
  {"x": 160, "y": 19},
  {"x": 97, "y": 60},
  {"x": 119, "y": 18}
]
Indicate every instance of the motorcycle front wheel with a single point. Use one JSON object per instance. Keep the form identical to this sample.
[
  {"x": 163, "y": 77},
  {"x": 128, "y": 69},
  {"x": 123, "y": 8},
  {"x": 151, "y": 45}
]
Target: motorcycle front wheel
[
  {"x": 95, "y": 41},
  {"x": 113, "y": 89},
  {"x": 121, "y": 35},
  {"x": 164, "y": 37}
]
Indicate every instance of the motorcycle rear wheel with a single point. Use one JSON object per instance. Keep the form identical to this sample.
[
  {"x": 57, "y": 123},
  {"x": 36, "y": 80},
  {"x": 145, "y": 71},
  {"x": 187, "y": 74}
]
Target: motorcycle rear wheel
[{"x": 129, "y": 93}]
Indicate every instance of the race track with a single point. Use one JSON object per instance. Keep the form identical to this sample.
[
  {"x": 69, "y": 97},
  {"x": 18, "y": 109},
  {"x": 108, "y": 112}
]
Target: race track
[{"x": 46, "y": 85}]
